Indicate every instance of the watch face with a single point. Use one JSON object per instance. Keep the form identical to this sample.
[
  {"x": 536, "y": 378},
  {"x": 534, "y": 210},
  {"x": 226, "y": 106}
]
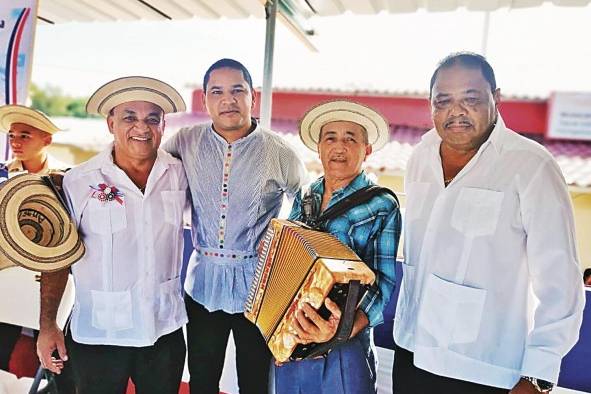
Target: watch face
[
  {"x": 539, "y": 384},
  {"x": 544, "y": 385}
]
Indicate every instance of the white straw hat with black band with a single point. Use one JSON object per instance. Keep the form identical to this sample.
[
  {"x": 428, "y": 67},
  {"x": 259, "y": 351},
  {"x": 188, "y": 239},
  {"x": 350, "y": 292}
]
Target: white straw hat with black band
[
  {"x": 342, "y": 110},
  {"x": 13, "y": 113},
  {"x": 135, "y": 88}
]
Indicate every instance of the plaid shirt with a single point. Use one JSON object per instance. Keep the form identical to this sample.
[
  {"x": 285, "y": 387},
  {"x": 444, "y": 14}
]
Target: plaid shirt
[{"x": 372, "y": 230}]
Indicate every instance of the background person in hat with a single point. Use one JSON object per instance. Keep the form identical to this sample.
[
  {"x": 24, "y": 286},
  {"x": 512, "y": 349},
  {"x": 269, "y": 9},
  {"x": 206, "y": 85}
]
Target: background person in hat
[
  {"x": 344, "y": 134},
  {"x": 238, "y": 174},
  {"x": 128, "y": 202},
  {"x": 488, "y": 220},
  {"x": 29, "y": 135}
]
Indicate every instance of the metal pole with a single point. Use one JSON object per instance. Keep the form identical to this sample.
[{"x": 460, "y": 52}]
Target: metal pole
[
  {"x": 485, "y": 32},
  {"x": 266, "y": 94}
]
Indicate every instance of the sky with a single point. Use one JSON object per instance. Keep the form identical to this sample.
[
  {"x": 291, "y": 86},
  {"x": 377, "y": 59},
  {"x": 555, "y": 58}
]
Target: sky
[{"x": 534, "y": 51}]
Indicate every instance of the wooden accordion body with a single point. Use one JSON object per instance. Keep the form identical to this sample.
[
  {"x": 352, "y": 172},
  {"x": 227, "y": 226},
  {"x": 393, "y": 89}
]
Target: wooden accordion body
[{"x": 298, "y": 265}]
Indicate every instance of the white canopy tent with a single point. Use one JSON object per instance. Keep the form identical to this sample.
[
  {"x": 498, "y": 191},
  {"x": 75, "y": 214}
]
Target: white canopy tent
[
  {"x": 61, "y": 11},
  {"x": 293, "y": 13}
]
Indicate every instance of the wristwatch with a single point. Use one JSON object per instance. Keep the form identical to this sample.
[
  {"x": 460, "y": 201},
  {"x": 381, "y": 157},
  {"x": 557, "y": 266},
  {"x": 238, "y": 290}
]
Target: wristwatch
[{"x": 542, "y": 386}]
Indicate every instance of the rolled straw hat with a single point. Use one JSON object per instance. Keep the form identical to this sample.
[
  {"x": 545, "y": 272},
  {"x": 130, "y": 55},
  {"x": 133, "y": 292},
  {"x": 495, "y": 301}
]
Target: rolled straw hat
[{"x": 36, "y": 231}]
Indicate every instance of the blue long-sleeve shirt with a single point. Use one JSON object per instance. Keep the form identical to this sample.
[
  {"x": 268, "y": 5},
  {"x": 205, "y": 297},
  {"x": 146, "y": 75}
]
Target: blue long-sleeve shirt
[
  {"x": 236, "y": 189},
  {"x": 372, "y": 230}
]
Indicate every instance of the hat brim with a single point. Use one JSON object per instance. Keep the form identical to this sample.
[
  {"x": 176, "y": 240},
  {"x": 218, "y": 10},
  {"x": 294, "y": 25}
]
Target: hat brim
[
  {"x": 36, "y": 231},
  {"x": 342, "y": 110},
  {"x": 14, "y": 113},
  {"x": 126, "y": 89}
]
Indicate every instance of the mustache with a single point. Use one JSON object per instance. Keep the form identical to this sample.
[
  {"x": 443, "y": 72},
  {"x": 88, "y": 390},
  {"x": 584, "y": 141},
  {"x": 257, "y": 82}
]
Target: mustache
[
  {"x": 461, "y": 121},
  {"x": 233, "y": 108}
]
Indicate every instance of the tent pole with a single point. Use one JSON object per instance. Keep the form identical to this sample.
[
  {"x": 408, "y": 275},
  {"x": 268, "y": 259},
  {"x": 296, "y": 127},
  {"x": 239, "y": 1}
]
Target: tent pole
[
  {"x": 485, "y": 31},
  {"x": 266, "y": 94}
]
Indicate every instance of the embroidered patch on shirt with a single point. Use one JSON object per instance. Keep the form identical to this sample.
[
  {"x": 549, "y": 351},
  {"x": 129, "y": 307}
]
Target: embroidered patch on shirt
[{"x": 105, "y": 193}]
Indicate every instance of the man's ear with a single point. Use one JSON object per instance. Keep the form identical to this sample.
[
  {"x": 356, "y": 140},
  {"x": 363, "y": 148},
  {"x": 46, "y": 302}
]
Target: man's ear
[
  {"x": 47, "y": 139},
  {"x": 253, "y": 93},
  {"x": 497, "y": 96},
  {"x": 110, "y": 123},
  {"x": 203, "y": 101},
  {"x": 368, "y": 150}
]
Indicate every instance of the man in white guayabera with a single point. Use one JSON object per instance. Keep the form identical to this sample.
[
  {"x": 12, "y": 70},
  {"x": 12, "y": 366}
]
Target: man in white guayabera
[
  {"x": 488, "y": 218},
  {"x": 127, "y": 202}
]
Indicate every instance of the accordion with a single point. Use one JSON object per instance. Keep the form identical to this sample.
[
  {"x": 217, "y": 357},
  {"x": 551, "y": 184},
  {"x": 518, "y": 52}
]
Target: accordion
[{"x": 297, "y": 265}]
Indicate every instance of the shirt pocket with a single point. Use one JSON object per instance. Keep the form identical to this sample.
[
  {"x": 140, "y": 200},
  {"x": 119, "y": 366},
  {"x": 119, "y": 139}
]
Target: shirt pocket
[
  {"x": 416, "y": 195},
  {"x": 173, "y": 203},
  {"x": 111, "y": 310},
  {"x": 449, "y": 313},
  {"x": 476, "y": 211},
  {"x": 107, "y": 219},
  {"x": 170, "y": 299}
]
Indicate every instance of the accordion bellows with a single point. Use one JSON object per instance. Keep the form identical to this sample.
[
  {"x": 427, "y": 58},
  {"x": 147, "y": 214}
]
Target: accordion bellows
[{"x": 297, "y": 265}]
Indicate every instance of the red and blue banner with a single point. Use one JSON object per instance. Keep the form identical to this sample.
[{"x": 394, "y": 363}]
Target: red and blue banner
[{"x": 18, "y": 20}]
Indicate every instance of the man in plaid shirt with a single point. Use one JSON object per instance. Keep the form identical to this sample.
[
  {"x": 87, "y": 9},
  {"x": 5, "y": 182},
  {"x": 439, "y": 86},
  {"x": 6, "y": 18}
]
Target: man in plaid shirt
[{"x": 344, "y": 134}]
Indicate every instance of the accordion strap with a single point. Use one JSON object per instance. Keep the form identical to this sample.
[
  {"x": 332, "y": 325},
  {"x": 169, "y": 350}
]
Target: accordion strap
[
  {"x": 54, "y": 182},
  {"x": 357, "y": 198},
  {"x": 346, "y": 323}
]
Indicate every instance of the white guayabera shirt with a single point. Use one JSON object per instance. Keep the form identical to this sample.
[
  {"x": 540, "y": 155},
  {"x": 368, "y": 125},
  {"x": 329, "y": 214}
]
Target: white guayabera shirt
[
  {"x": 128, "y": 289},
  {"x": 477, "y": 255}
]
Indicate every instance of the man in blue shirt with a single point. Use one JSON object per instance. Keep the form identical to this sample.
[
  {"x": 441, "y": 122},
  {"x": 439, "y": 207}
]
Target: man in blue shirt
[
  {"x": 344, "y": 134},
  {"x": 238, "y": 173}
]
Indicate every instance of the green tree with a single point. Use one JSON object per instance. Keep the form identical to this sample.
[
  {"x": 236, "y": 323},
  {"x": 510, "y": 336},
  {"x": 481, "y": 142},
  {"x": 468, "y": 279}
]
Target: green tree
[{"x": 53, "y": 102}]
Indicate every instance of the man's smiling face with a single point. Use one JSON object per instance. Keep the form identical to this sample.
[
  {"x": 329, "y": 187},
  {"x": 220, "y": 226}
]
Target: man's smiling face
[{"x": 137, "y": 128}]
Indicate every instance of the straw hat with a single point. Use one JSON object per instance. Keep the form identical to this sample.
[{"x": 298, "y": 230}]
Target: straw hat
[
  {"x": 341, "y": 110},
  {"x": 36, "y": 231},
  {"x": 126, "y": 89},
  {"x": 13, "y": 113}
]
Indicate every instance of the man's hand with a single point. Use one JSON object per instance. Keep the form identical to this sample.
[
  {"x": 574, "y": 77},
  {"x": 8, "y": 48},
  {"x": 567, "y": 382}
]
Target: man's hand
[
  {"x": 50, "y": 339},
  {"x": 524, "y": 387},
  {"x": 311, "y": 327}
]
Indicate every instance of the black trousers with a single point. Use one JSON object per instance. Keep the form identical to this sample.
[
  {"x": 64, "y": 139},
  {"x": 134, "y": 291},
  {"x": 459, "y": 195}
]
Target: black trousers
[
  {"x": 9, "y": 335},
  {"x": 101, "y": 369},
  {"x": 207, "y": 338},
  {"x": 408, "y": 379}
]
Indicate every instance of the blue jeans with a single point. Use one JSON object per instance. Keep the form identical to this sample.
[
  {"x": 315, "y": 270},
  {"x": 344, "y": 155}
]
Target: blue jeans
[{"x": 348, "y": 369}]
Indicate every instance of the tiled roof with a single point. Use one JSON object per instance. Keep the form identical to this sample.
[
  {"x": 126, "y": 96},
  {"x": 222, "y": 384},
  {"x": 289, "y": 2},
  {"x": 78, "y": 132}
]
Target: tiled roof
[
  {"x": 352, "y": 89},
  {"x": 574, "y": 158}
]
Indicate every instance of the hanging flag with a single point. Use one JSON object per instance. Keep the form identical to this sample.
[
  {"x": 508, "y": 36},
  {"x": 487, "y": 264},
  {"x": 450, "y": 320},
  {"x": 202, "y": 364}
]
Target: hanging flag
[{"x": 18, "y": 19}]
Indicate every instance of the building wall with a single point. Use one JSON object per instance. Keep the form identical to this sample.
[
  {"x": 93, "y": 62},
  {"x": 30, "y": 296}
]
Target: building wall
[
  {"x": 582, "y": 208},
  {"x": 522, "y": 115}
]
